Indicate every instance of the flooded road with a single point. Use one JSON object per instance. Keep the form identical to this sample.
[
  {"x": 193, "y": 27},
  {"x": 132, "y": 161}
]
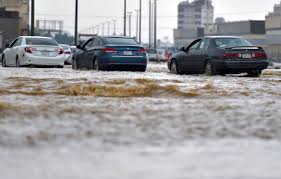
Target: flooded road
[{"x": 65, "y": 124}]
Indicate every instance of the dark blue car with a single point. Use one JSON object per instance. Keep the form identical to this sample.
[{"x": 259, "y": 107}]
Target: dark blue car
[{"x": 113, "y": 52}]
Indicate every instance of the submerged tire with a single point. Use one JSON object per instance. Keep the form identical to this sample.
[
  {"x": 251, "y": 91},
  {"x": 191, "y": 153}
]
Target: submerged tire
[
  {"x": 174, "y": 67},
  {"x": 17, "y": 63},
  {"x": 96, "y": 65},
  {"x": 254, "y": 74},
  {"x": 209, "y": 69},
  {"x": 75, "y": 65},
  {"x": 4, "y": 64}
]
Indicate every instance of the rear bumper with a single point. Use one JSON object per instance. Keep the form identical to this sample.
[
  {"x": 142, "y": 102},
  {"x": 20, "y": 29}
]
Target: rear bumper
[
  {"x": 123, "y": 61},
  {"x": 42, "y": 61},
  {"x": 240, "y": 66}
]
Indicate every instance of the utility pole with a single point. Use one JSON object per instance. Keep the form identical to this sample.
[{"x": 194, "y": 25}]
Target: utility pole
[
  {"x": 98, "y": 29},
  {"x": 130, "y": 23},
  {"x": 102, "y": 29},
  {"x": 32, "y": 17},
  {"x": 137, "y": 25},
  {"x": 140, "y": 27},
  {"x": 155, "y": 24},
  {"x": 108, "y": 28},
  {"x": 149, "y": 25},
  {"x": 125, "y": 17},
  {"x": 76, "y": 23},
  {"x": 114, "y": 26}
]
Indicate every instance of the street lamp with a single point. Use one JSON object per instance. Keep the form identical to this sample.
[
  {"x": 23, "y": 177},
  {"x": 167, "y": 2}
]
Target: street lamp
[
  {"x": 155, "y": 24},
  {"x": 108, "y": 28},
  {"x": 102, "y": 29},
  {"x": 98, "y": 29},
  {"x": 114, "y": 26},
  {"x": 32, "y": 17},
  {"x": 130, "y": 23},
  {"x": 150, "y": 24},
  {"x": 125, "y": 16},
  {"x": 140, "y": 25},
  {"x": 137, "y": 25},
  {"x": 76, "y": 23}
]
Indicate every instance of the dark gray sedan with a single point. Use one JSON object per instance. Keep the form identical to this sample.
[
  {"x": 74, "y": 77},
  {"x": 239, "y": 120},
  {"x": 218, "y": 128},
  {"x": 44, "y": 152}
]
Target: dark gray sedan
[{"x": 219, "y": 55}]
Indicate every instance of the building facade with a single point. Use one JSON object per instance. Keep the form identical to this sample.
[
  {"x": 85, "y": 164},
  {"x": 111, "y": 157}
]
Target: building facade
[
  {"x": 273, "y": 33},
  {"x": 192, "y": 18},
  {"x": 9, "y": 25},
  {"x": 22, "y": 7},
  {"x": 252, "y": 30},
  {"x": 273, "y": 25}
]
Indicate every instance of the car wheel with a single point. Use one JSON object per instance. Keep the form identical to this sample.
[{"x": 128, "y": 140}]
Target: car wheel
[
  {"x": 209, "y": 69},
  {"x": 17, "y": 63},
  {"x": 254, "y": 73},
  {"x": 4, "y": 64},
  {"x": 75, "y": 65},
  {"x": 96, "y": 65},
  {"x": 174, "y": 68}
]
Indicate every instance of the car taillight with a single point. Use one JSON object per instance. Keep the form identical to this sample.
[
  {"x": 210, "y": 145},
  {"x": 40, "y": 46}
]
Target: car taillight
[
  {"x": 109, "y": 50},
  {"x": 29, "y": 49},
  {"x": 67, "y": 53},
  {"x": 142, "y": 50},
  {"x": 232, "y": 55},
  {"x": 259, "y": 55},
  {"x": 60, "y": 51}
]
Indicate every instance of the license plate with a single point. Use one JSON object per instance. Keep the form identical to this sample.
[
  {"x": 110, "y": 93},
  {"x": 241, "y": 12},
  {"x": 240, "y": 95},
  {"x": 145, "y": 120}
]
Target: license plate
[
  {"x": 45, "y": 53},
  {"x": 246, "y": 55},
  {"x": 127, "y": 53}
]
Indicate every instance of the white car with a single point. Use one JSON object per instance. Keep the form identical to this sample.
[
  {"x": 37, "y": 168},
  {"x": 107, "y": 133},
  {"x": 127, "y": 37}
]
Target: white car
[
  {"x": 33, "y": 51},
  {"x": 67, "y": 54}
]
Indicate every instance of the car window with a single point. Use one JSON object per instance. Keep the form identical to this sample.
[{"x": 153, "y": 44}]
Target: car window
[
  {"x": 18, "y": 42},
  {"x": 204, "y": 44},
  {"x": 120, "y": 41},
  {"x": 89, "y": 44},
  {"x": 14, "y": 43},
  {"x": 96, "y": 43},
  {"x": 231, "y": 42},
  {"x": 195, "y": 46},
  {"x": 41, "y": 41}
]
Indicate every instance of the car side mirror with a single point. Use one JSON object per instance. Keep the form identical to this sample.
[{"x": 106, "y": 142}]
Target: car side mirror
[
  {"x": 7, "y": 45},
  {"x": 79, "y": 47},
  {"x": 182, "y": 49}
]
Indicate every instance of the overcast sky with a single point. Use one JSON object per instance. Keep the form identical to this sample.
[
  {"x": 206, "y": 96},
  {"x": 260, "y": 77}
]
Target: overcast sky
[{"x": 95, "y": 12}]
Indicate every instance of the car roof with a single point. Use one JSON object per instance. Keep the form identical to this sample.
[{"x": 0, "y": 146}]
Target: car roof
[
  {"x": 125, "y": 37},
  {"x": 216, "y": 37},
  {"x": 36, "y": 37}
]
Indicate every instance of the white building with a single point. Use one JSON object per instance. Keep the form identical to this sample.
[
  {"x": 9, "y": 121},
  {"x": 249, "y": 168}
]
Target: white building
[{"x": 193, "y": 17}]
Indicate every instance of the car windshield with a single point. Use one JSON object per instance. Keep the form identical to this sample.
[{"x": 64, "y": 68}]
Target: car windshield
[
  {"x": 41, "y": 41},
  {"x": 120, "y": 41},
  {"x": 232, "y": 42}
]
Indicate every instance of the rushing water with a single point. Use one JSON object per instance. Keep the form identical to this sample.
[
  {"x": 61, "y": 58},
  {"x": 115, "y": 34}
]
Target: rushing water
[{"x": 65, "y": 124}]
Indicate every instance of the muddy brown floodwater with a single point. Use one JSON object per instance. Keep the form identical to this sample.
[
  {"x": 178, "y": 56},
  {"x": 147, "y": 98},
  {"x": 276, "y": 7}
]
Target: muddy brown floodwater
[{"x": 65, "y": 124}]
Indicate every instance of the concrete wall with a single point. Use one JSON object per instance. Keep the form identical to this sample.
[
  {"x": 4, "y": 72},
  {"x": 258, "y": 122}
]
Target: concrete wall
[
  {"x": 9, "y": 28},
  {"x": 21, "y": 6}
]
